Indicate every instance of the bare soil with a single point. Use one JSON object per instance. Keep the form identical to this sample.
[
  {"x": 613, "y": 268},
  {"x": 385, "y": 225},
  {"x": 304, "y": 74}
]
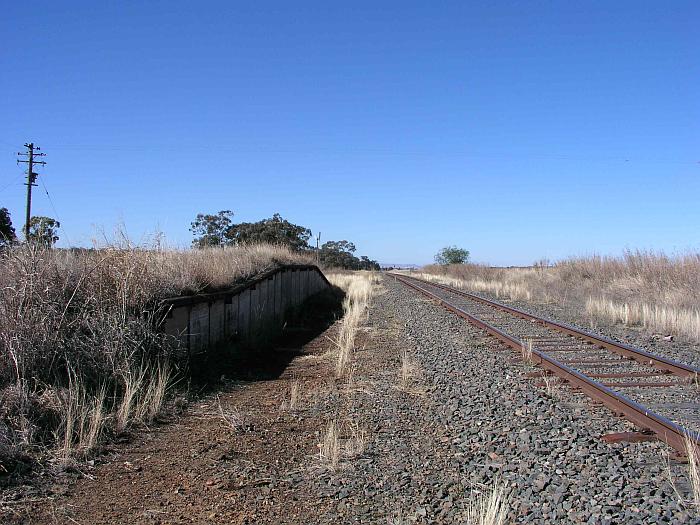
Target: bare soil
[{"x": 203, "y": 468}]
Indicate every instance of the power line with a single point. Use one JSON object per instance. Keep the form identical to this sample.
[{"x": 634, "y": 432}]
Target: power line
[
  {"x": 55, "y": 212},
  {"x": 500, "y": 155},
  {"x": 53, "y": 207},
  {"x": 11, "y": 183}
]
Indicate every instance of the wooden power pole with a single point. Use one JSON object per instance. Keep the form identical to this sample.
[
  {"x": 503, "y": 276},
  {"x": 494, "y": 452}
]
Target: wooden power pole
[
  {"x": 31, "y": 179},
  {"x": 318, "y": 253}
]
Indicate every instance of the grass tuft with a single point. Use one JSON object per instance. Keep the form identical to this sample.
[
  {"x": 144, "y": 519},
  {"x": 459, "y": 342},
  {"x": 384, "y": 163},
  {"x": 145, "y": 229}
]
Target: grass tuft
[
  {"x": 526, "y": 350},
  {"x": 490, "y": 506},
  {"x": 693, "y": 455},
  {"x": 330, "y": 446},
  {"x": 409, "y": 372}
]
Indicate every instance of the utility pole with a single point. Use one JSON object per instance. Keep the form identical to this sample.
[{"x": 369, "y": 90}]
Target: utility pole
[
  {"x": 31, "y": 179},
  {"x": 318, "y": 253}
]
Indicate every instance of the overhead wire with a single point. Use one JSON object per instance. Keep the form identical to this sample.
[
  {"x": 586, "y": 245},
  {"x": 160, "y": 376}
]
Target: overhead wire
[
  {"x": 15, "y": 181},
  {"x": 53, "y": 206}
]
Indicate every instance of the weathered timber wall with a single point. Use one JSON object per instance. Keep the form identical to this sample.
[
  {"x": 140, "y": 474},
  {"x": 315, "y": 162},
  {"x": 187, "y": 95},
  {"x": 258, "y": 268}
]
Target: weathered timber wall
[{"x": 243, "y": 313}]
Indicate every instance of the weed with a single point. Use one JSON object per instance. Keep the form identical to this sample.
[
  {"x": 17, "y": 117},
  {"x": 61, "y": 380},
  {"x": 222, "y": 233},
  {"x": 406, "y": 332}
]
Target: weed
[
  {"x": 409, "y": 371},
  {"x": 551, "y": 385},
  {"x": 693, "y": 454},
  {"x": 330, "y": 446},
  {"x": 489, "y": 506},
  {"x": 74, "y": 322},
  {"x": 231, "y": 417},
  {"x": 356, "y": 444},
  {"x": 526, "y": 350},
  {"x": 292, "y": 402},
  {"x": 358, "y": 287}
]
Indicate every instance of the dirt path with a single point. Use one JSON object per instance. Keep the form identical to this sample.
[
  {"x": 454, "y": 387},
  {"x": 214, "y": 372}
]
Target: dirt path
[{"x": 231, "y": 458}]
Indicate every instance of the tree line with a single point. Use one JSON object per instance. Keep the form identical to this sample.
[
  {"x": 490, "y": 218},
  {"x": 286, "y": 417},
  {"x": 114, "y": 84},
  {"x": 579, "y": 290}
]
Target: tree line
[
  {"x": 211, "y": 230},
  {"x": 42, "y": 230}
]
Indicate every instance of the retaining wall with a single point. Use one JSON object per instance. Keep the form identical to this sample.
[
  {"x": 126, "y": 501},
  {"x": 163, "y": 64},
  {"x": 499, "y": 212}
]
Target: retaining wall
[{"x": 244, "y": 313}]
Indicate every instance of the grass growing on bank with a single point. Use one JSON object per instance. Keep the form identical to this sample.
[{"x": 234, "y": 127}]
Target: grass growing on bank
[
  {"x": 652, "y": 290},
  {"x": 81, "y": 353}
]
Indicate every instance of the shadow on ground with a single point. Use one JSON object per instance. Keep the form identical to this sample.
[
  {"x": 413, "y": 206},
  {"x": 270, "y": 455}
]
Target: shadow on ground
[{"x": 274, "y": 349}]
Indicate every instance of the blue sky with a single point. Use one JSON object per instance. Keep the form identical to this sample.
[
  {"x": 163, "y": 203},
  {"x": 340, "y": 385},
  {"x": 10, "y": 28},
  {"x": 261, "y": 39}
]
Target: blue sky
[{"x": 518, "y": 130}]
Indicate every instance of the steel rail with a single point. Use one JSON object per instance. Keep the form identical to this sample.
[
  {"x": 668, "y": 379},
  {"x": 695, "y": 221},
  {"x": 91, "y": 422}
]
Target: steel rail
[
  {"x": 666, "y": 430},
  {"x": 639, "y": 355}
]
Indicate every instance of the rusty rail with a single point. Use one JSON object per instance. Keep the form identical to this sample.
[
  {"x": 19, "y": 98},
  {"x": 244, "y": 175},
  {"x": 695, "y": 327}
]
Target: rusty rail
[
  {"x": 666, "y": 430},
  {"x": 637, "y": 354}
]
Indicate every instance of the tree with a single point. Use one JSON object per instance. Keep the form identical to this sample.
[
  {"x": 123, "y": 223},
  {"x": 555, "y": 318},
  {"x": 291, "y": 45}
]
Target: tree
[
  {"x": 452, "y": 255},
  {"x": 7, "y": 231},
  {"x": 274, "y": 230},
  {"x": 211, "y": 230},
  {"x": 219, "y": 230},
  {"x": 368, "y": 264},
  {"x": 43, "y": 230},
  {"x": 339, "y": 254}
]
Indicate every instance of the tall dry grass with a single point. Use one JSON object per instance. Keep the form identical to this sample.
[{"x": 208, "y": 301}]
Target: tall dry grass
[
  {"x": 693, "y": 455},
  {"x": 658, "y": 292},
  {"x": 359, "y": 288},
  {"x": 81, "y": 350}
]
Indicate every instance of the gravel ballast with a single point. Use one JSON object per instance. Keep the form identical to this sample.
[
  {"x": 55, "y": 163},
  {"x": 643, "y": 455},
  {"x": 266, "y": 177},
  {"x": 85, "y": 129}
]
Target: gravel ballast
[{"x": 480, "y": 419}]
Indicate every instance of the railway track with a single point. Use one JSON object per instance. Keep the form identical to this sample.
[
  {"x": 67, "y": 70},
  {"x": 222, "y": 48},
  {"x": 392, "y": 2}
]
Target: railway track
[{"x": 659, "y": 395}]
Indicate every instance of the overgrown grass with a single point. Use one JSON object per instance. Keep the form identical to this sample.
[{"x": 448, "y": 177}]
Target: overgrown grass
[
  {"x": 81, "y": 350},
  {"x": 652, "y": 290}
]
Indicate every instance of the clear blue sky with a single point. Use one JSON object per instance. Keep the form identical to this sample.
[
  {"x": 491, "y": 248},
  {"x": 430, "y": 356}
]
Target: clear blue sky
[{"x": 515, "y": 129}]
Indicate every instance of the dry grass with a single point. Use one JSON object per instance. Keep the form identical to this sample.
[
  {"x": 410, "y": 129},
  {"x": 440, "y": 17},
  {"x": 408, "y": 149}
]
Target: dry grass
[
  {"x": 334, "y": 447},
  {"x": 526, "y": 350},
  {"x": 358, "y": 288},
  {"x": 686, "y": 486},
  {"x": 489, "y": 506},
  {"x": 356, "y": 444},
  {"x": 652, "y": 290},
  {"x": 330, "y": 448},
  {"x": 292, "y": 401},
  {"x": 231, "y": 417},
  {"x": 551, "y": 385},
  {"x": 75, "y": 323},
  {"x": 133, "y": 381},
  {"x": 693, "y": 455},
  {"x": 410, "y": 373},
  {"x": 155, "y": 393},
  {"x": 664, "y": 319},
  {"x": 83, "y": 421}
]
